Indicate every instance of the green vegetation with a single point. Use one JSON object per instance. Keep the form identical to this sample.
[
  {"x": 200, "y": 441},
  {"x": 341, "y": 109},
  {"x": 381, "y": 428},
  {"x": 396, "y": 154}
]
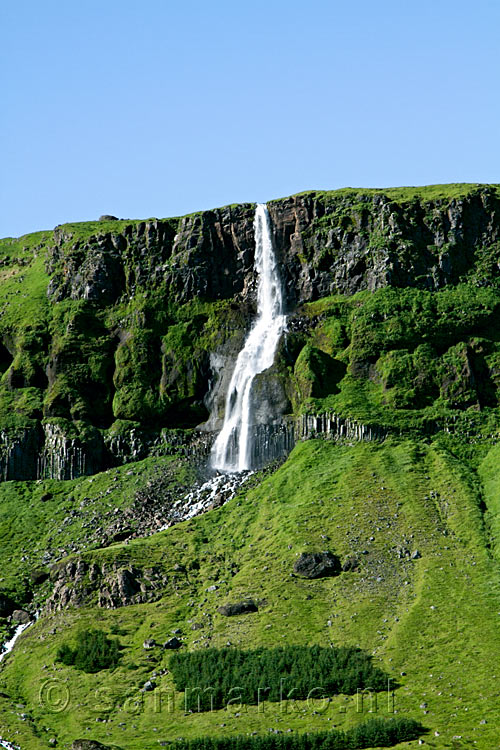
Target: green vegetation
[
  {"x": 412, "y": 359},
  {"x": 118, "y": 355},
  {"x": 208, "y": 679},
  {"x": 93, "y": 651},
  {"x": 373, "y": 733},
  {"x": 41, "y": 522},
  {"x": 434, "y": 618},
  {"x": 425, "y": 193}
]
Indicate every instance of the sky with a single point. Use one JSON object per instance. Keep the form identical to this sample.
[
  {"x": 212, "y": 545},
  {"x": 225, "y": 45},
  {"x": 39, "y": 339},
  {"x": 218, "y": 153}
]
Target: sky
[{"x": 152, "y": 108}]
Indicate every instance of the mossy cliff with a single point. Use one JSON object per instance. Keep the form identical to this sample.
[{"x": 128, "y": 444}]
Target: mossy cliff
[
  {"x": 114, "y": 333},
  {"x": 116, "y": 345}
]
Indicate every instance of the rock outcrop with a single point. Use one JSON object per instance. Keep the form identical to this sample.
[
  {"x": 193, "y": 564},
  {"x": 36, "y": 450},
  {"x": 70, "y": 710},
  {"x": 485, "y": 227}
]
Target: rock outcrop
[
  {"x": 91, "y": 745},
  {"x": 317, "y": 565},
  {"x": 238, "y": 608},
  {"x": 78, "y": 583},
  {"x": 339, "y": 242}
]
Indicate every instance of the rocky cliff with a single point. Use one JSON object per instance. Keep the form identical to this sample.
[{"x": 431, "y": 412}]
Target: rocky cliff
[
  {"x": 329, "y": 243},
  {"x": 117, "y": 334}
]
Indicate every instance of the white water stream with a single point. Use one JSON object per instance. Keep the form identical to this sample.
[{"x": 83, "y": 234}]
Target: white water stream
[
  {"x": 8, "y": 745},
  {"x": 9, "y": 645},
  {"x": 232, "y": 450},
  {"x": 7, "y": 648}
]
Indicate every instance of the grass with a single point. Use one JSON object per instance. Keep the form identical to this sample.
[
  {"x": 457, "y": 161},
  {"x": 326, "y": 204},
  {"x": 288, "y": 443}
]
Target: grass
[
  {"x": 430, "y": 623},
  {"x": 419, "y": 512},
  {"x": 50, "y": 518},
  {"x": 424, "y": 193}
]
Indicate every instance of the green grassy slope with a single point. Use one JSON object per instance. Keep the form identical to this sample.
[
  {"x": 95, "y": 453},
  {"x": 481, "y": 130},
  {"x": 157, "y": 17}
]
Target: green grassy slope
[
  {"x": 401, "y": 195},
  {"x": 432, "y": 622},
  {"x": 43, "y": 521}
]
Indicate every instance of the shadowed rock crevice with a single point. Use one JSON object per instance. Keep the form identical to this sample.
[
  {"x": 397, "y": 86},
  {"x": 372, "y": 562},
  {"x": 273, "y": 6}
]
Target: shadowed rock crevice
[{"x": 6, "y": 358}]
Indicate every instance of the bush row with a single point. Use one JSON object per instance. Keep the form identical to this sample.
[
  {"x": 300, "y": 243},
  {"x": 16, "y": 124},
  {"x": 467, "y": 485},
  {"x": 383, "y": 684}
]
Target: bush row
[{"x": 212, "y": 677}]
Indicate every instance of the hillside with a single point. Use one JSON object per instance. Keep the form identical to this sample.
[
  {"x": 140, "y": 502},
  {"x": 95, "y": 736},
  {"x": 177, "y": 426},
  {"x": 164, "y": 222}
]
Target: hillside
[{"x": 116, "y": 341}]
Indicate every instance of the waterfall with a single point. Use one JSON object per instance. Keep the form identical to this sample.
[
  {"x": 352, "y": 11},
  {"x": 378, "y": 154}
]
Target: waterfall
[
  {"x": 9, "y": 645},
  {"x": 232, "y": 450}
]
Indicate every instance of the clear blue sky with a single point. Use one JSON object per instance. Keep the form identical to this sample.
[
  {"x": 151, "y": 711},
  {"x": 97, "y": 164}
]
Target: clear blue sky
[{"x": 149, "y": 108}]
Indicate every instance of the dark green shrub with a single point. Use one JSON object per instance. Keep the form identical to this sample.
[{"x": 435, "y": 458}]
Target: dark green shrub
[
  {"x": 373, "y": 733},
  {"x": 209, "y": 677},
  {"x": 94, "y": 651}
]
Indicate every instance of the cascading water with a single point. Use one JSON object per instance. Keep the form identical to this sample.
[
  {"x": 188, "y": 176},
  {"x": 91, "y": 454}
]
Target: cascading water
[{"x": 232, "y": 450}]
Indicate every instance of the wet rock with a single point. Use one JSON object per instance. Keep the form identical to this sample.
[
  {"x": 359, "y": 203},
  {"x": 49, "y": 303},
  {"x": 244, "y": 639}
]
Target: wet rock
[
  {"x": 317, "y": 565},
  {"x": 238, "y": 608}
]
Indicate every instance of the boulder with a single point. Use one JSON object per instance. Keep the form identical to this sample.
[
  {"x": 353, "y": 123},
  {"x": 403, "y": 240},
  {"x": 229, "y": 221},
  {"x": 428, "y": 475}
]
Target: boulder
[
  {"x": 351, "y": 563},
  {"x": 149, "y": 643},
  {"x": 21, "y": 617},
  {"x": 317, "y": 565},
  {"x": 172, "y": 643},
  {"x": 91, "y": 745},
  {"x": 238, "y": 608},
  {"x": 108, "y": 217}
]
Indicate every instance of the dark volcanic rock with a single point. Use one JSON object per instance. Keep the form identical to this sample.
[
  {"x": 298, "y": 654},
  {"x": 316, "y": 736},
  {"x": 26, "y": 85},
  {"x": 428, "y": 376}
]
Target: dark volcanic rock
[
  {"x": 351, "y": 563},
  {"x": 91, "y": 745},
  {"x": 327, "y": 243},
  {"x": 238, "y": 608},
  {"x": 77, "y": 584},
  {"x": 172, "y": 643},
  {"x": 317, "y": 565},
  {"x": 127, "y": 584}
]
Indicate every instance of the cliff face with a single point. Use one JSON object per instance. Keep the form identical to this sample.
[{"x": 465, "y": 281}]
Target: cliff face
[
  {"x": 115, "y": 334},
  {"x": 342, "y": 244},
  {"x": 207, "y": 255},
  {"x": 328, "y": 243}
]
